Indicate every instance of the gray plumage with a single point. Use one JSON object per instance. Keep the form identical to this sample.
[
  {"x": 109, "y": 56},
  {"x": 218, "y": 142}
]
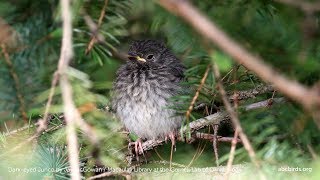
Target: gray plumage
[{"x": 142, "y": 90}]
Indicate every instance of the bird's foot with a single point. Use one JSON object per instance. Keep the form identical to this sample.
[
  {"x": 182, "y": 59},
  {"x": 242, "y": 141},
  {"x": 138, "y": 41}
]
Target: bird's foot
[
  {"x": 172, "y": 138},
  {"x": 137, "y": 147}
]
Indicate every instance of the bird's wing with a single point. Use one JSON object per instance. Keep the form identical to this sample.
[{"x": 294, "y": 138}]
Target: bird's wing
[{"x": 177, "y": 70}]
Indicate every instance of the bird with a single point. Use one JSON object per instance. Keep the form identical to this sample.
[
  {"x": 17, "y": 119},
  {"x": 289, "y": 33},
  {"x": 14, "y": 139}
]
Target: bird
[{"x": 142, "y": 89}]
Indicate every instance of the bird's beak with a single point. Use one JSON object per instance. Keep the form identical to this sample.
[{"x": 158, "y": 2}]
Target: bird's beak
[
  {"x": 137, "y": 58},
  {"x": 141, "y": 59}
]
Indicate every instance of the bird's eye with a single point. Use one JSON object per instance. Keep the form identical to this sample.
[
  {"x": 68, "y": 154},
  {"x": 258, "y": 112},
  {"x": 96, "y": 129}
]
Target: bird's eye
[{"x": 150, "y": 56}]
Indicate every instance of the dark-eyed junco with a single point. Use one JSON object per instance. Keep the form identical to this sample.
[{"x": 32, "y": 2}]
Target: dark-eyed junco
[{"x": 143, "y": 87}]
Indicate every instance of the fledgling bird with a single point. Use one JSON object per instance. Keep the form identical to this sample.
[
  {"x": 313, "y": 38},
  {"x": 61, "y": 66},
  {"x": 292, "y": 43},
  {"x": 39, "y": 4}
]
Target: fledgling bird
[{"x": 143, "y": 87}]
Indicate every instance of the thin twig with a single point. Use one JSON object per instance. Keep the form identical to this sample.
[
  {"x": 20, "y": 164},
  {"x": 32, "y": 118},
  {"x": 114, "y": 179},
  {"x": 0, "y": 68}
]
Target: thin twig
[
  {"x": 265, "y": 103},
  {"x": 227, "y": 74},
  {"x": 195, "y": 97},
  {"x": 88, "y": 130},
  {"x": 235, "y": 137},
  {"x": 296, "y": 91},
  {"x": 95, "y": 28},
  {"x": 215, "y": 144},
  {"x": 251, "y": 93},
  {"x": 50, "y": 97},
  {"x": 70, "y": 110},
  {"x": 9, "y": 133},
  {"x": 195, "y": 155},
  {"x": 16, "y": 81},
  {"x": 98, "y": 37},
  {"x": 231, "y": 155},
  {"x": 160, "y": 157},
  {"x": 242, "y": 95},
  {"x": 171, "y": 155},
  {"x": 201, "y": 146}
]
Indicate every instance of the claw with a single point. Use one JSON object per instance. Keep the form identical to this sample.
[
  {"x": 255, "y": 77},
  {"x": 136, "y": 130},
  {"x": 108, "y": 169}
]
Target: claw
[{"x": 138, "y": 147}]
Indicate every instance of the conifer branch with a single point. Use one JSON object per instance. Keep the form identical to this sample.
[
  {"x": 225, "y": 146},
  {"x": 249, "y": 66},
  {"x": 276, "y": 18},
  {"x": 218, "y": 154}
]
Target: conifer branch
[
  {"x": 213, "y": 119},
  {"x": 309, "y": 98},
  {"x": 234, "y": 117}
]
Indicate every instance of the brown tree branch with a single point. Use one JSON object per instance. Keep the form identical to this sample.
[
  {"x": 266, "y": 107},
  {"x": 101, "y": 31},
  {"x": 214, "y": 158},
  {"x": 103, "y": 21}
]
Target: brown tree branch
[
  {"x": 210, "y": 137},
  {"x": 251, "y": 93},
  {"x": 212, "y": 119},
  {"x": 296, "y": 91}
]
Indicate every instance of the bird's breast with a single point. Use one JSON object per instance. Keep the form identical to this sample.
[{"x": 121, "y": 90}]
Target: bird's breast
[
  {"x": 141, "y": 103},
  {"x": 142, "y": 85}
]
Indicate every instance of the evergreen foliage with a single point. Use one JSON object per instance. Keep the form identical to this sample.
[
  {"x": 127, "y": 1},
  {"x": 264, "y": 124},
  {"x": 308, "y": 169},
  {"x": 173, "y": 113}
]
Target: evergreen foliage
[{"x": 283, "y": 135}]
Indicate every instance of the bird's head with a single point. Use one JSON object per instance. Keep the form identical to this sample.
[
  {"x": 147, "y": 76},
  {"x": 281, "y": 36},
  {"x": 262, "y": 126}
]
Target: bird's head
[{"x": 148, "y": 53}]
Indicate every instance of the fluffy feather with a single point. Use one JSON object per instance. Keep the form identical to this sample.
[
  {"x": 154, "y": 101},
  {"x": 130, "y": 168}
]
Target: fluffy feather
[{"x": 142, "y": 90}]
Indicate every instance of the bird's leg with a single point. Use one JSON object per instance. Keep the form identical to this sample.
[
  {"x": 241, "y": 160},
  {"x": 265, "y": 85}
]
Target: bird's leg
[
  {"x": 173, "y": 140},
  {"x": 137, "y": 147},
  {"x": 166, "y": 139},
  {"x": 173, "y": 145}
]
